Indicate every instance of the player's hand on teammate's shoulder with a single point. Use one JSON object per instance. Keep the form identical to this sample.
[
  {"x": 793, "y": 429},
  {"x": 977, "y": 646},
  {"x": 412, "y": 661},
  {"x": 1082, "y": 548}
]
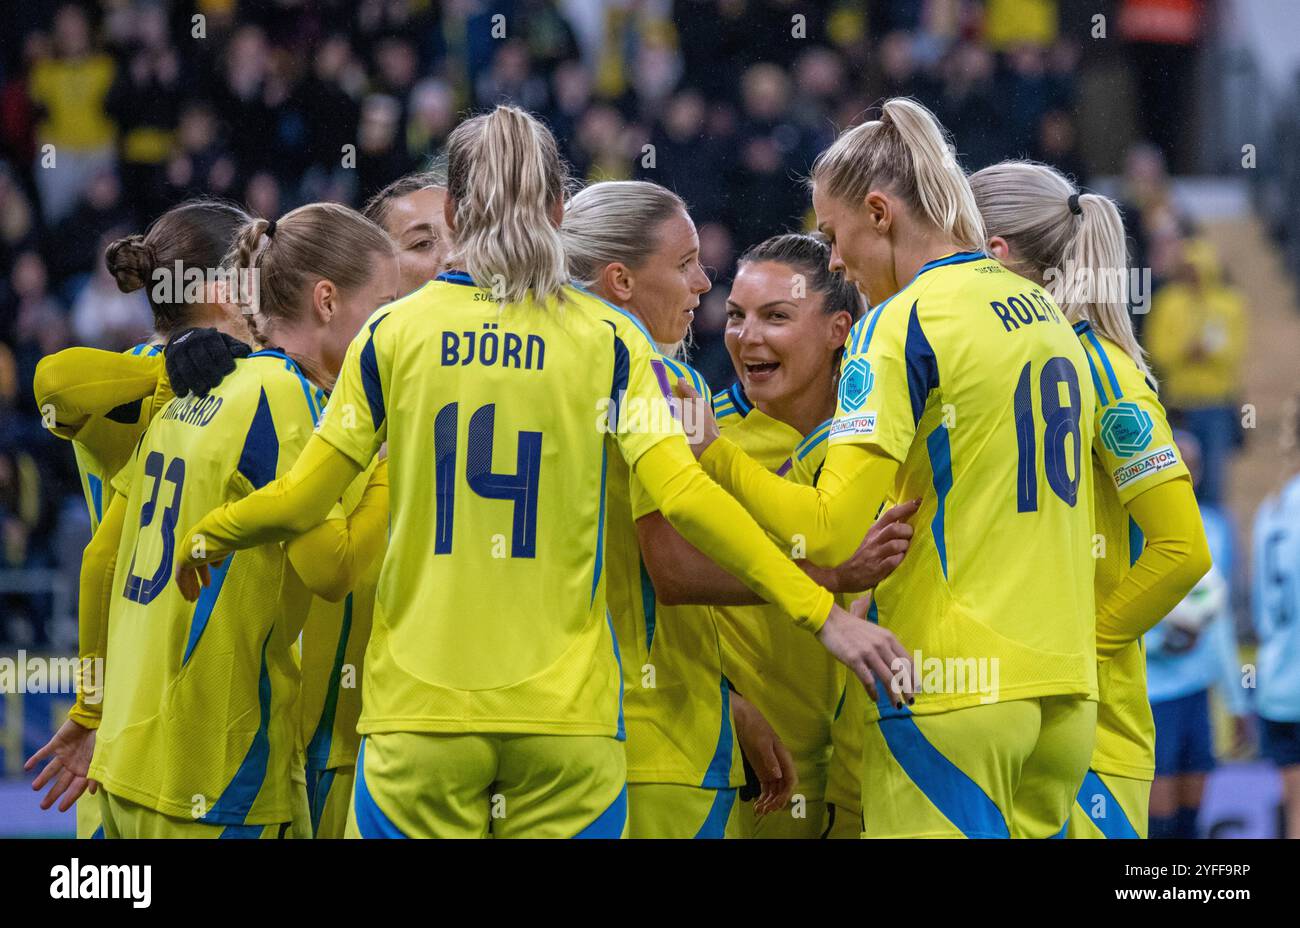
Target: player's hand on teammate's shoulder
[
  {"x": 882, "y": 550},
  {"x": 67, "y": 767},
  {"x": 703, "y": 425},
  {"x": 870, "y": 651},
  {"x": 197, "y": 360}
]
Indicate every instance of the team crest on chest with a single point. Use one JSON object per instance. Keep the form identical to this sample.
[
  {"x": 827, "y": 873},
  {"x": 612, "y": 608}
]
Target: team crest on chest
[
  {"x": 856, "y": 382},
  {"x": 1126, "y": 429}
]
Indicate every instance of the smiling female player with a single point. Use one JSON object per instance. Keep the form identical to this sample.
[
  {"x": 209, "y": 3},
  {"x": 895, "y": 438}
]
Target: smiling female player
[
  {"x": 965, "y": 386},
  {"x": 198, "y": 739},
  {"x": 787, "y": 319},
  {"x": 492, "y": 683},
  {"x": 1041, "y": 227}
]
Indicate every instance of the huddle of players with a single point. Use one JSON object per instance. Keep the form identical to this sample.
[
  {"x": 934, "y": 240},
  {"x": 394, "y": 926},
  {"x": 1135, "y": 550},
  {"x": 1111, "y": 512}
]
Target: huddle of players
[{"x": 298, "y": 643}]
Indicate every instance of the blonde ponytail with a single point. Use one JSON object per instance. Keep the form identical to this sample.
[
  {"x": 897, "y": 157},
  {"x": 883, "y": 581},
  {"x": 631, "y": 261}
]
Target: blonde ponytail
[
  {"x": 908, "y": 152},
  {"x": 505, "y": 174},
  {"x": 1081, "y": 257}
]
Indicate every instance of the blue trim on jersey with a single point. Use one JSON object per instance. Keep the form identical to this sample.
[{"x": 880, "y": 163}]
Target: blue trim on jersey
[
  {"x": 959, "y": 798},
  {"x": 714, "y": 825},
  {"x": 1136, "y": 541},
  {"x": 1105, "y": 362},
  {"x": 622, "y": 312},
  {"x": 1060, "y": 835},
  {"x": 600, "y": 525},
  {"x": 456, "y": 277},
  {"x": 941, "y": 470},
  {"x": 611, "y": 822},
  {"x": 621, "y": 734},
  {"x": 370, "y": 381},
  {"x": 261, "y": 454},
  {"x": 869, "y": 327},
  {"x": 96, "y": 487},
  {"x": 839, "y": 706},
  {"x": 922, "y": 368},
  {"x": 1096, "y": 379},
  {"x": 314, "y": 395},
  {"x": 318, "y": 794},
  {"x": 206, "y": 603},
  {"x": 718, "y": 774},
  {"x": 813, "y": 439},
  {"x": 738, "y": 396},
  {"x": 724, "y": 409},
  {"x": 98, "y": 835},
  {"x": 647, "y": 605},
  {"x": 961, "y": 257},
  {"x": 318, "y": 749},
  {"x": 242, "y": 832},
  {"x": 1082, "y": 326},
  {"x": 148, "y": 349},
  {"x": 371, "y": 820},
  {"x": 241, "y": 792},
  {"x": 1114, "y": 822}
]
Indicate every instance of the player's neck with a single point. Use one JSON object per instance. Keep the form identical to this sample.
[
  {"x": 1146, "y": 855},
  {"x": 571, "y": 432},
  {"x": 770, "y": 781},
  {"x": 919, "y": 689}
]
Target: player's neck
[
  {"x": 916, "y": 251},
  {"x": 304, "y": 346}
]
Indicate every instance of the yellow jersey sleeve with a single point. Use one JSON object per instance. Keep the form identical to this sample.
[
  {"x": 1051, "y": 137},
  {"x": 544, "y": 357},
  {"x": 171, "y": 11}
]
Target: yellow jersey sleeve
[
  {"x": 642, "y": 504},
  {"x": 1134, "y": 442},
  {"x": 76, "y": 385},
  {"x": 878, "y": 384},
  {"x": 355, "y": 420}
]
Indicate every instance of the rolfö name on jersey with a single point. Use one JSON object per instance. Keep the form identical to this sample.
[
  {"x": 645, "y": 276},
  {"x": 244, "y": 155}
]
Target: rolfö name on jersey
[
  {"x": 490, "y": 347},
  {"x": 1157, "y": 460},
  {"x": 1024, "y": 309},
  {"x": 193, "y": 410}
]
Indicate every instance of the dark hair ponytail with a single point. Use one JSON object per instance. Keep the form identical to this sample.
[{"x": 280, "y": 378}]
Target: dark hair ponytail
[{"x": 197, "y": 234}]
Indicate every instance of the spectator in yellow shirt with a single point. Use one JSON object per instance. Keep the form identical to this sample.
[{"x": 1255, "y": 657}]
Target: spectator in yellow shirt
[
  {"x": 69, "y": 90},
  {"x": 1196, "y": 335}
]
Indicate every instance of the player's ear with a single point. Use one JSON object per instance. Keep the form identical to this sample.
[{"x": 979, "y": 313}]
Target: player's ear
[
  {"x": 999, "y": 249},
  {"x": 838, "y": 330},
  {"x": 616, "y": 280},
  {"x": 449, "y": 211},
  {"x": 880, "y": 211},
  {"x": 324, "y": 300}
]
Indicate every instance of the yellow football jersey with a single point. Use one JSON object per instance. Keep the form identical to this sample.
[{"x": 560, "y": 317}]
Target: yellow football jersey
[
  {"x": 784, "y": 671},
  {"x": 490, "y": 614},
  {"x": 676, "y": 700},
  {"x": 1133, "y": 451},
  {"x": 334, "y": 639},
  {"x": 200, "y": 714},
  {"x": 104, "y": 445},
  {"x": 973, "y": 380}
]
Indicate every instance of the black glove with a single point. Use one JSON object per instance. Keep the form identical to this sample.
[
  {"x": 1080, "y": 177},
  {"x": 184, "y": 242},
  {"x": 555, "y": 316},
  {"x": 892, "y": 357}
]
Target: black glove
[{"x": 199, "y": 359}]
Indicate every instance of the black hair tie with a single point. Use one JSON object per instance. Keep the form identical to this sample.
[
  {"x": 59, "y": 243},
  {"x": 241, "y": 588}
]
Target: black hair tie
[
  {"x": 270, "y": 228},
  {"x": 1073, "y": 203}
]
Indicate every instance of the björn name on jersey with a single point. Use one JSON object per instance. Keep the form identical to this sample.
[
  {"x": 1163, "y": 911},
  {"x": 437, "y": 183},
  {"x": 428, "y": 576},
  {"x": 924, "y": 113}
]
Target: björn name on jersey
[{"x": 490, "y": 347}]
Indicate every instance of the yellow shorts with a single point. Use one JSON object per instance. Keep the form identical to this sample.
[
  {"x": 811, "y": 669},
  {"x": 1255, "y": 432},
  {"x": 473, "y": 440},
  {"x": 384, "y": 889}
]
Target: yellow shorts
[
  {"x": 418, "y": 784},
  {"x": 841, "y": 822},
  {"x": 126, "y": 819},
  {"x": 329, "y": 797},
  {"x": 673, "y": 810},
  {"x": 90, "y": 821},
  {"x": 801, "y": 818},
  {"x": 1110, "y": 807},
  {"x": 1009, "y": 769}
]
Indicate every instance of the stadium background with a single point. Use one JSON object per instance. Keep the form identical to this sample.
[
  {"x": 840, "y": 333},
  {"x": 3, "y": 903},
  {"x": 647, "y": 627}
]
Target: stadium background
[{"x": 1188, "y": 111}]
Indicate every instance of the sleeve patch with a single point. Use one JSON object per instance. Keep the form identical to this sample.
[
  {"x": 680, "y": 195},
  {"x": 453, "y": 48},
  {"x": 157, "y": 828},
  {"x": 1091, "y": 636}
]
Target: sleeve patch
[{"x": 1126, "y": 429}]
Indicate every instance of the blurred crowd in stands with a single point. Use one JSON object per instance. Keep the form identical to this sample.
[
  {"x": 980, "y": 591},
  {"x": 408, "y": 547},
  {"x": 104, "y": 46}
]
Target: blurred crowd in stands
[{"x": 111, "y": 112}]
